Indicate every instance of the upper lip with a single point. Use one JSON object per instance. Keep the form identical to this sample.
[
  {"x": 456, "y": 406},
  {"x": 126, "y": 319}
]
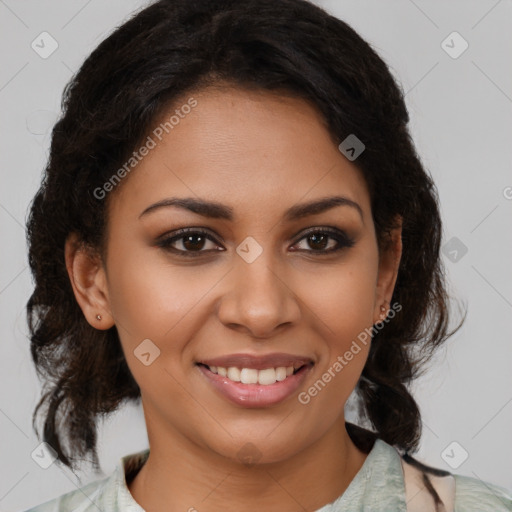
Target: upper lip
[{"x": 258, "y": 362}]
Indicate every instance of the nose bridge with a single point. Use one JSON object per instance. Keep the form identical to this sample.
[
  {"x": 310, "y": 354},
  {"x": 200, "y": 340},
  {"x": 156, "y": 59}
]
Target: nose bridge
[{"x": 257, "y": 274}]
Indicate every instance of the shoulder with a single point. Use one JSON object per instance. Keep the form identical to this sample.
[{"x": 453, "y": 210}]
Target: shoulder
[
  {"x": 458, "y": 493},
  {"x": 84, "y": 499},
  {"x": 475, "y": 494},
  {"x": 109, "y": 494}
]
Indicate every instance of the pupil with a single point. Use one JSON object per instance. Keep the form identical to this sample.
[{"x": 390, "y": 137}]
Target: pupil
[
  {"x": 322, "y": 239},
  {"x": 191, "y": 245}
]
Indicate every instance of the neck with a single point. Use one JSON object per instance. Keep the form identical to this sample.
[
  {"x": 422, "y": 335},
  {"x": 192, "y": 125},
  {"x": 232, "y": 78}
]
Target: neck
[{"x": 181, "y": 476}]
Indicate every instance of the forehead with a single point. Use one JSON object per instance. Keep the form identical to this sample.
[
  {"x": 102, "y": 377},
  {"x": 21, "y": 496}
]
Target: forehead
[{"x": 254, "y": 150}]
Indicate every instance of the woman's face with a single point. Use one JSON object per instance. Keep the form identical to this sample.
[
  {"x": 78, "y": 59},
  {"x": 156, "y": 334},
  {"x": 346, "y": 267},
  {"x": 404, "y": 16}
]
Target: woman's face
[{"x": 254, "y": 291}]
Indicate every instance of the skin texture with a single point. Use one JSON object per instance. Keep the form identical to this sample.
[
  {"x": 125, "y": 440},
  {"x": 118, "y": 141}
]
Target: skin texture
[{"x": 259, "y": 153}]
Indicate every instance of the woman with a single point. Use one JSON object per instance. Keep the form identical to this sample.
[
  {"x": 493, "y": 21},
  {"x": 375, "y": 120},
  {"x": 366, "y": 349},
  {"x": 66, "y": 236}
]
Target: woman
[{"x": 234, "y": 228}]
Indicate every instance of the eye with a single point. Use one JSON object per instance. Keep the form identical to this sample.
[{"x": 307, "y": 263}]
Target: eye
[
  {"x": 326, "y": 240},
  {"x": 188, "y": 242},
  {"x": 191, "y": 242}
]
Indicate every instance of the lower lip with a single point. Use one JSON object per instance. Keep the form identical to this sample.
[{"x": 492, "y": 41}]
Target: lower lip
[{"x": 256, "y": 395}]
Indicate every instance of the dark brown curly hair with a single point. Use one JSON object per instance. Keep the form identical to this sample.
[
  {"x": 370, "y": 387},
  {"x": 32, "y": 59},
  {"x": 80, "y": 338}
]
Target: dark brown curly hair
[{"x": 174, "y": 47}]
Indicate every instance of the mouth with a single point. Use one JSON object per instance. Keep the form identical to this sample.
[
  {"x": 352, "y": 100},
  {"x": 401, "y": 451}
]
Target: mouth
[
  {"x": 248, "y": 376},
  {"x": 253, "y": 382}
]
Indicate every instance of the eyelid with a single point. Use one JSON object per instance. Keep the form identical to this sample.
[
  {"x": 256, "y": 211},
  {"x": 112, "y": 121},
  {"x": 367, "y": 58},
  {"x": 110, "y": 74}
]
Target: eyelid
[
  {"x": 164, "y": 241},
  {"x": 185, "y": 231},
  {"x": 330, "y": 230},
  {"x": 343, "y": 239}
]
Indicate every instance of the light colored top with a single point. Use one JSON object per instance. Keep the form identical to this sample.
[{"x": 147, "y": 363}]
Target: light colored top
[{"x": 377, "y": 487}]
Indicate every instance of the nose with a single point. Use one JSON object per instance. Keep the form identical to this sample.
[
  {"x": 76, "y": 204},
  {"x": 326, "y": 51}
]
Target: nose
[{"x": 259, "y": 298}]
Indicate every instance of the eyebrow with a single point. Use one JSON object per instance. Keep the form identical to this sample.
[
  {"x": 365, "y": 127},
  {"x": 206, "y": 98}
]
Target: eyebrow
[{"x": 217, "y": 210}]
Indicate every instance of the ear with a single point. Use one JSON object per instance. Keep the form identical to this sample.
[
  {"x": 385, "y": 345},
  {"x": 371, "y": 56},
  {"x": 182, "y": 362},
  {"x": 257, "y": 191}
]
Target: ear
[
  {"x": 89, "y": 283},
  {"x": 389, "y": 263}
]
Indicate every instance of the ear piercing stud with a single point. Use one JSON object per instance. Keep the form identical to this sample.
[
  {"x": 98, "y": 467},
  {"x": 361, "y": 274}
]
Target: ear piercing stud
[
  {"x": 383, "y": 311},
  {"x": 98, "y": 317}
]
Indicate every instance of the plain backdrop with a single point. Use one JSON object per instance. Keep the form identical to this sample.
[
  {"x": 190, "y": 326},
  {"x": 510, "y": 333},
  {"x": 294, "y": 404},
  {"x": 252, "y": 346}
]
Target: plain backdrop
[{"x": 460, "y": 104}]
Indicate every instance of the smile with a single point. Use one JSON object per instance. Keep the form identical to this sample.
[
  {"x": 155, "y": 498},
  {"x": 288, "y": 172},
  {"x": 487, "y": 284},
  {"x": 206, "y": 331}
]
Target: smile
[
  {"x": 251, "y": 387},
  {"x": 264, "y": 377}
]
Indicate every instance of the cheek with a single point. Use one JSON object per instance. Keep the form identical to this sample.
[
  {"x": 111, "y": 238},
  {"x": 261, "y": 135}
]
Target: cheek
[
  {"x": 343, "y": 303},
  {"x": 150, "y": 299},
  {"x": 343, "y": 298},
  {"x": 155, "y": 304},
  {"x": 147, "y": 294}
]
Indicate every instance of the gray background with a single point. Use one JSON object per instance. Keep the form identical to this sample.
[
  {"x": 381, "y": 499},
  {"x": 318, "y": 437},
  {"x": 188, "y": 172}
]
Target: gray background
[{"x": 461, "y": 121}]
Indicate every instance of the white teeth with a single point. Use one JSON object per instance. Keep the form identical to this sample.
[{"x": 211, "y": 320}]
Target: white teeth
[
  {"x": 267, "y": 376},
  {"x": 251, "y": 376},
  {"x": 280, "y": 373},
  {"x": 233, "y": 374},
  {"x": 248, "y": 376}
]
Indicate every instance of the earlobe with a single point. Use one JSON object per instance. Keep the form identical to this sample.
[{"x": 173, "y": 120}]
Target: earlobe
[
  {"x": 88, "y": 280},
  {"x": 389, "y": 263}
]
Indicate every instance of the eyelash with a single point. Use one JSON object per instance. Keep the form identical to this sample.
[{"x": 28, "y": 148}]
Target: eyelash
[{"x": 340, "y": 237}]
